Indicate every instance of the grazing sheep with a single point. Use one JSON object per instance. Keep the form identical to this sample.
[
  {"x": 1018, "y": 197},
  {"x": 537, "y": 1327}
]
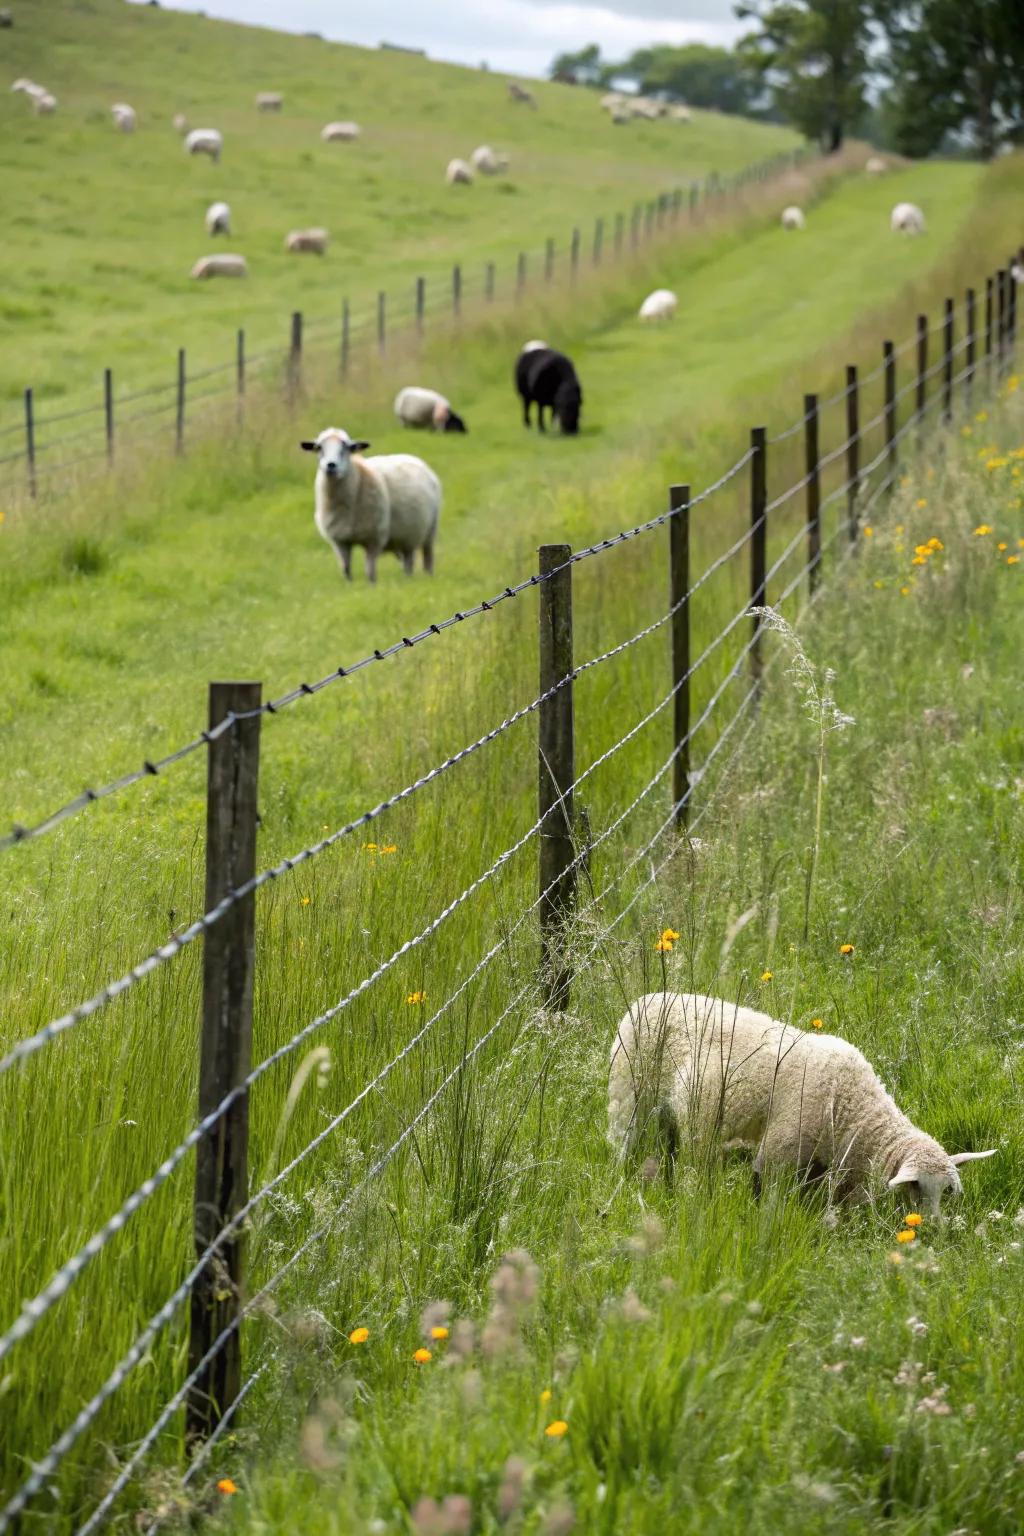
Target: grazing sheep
[
  {"x": 484, "y": 160},
  {"x": 793, "y": 218},
  {"x": 314, "y": 240},
  {"x": 712, "y": 1069},
  {"x": 519, "y": 93},
  {"x": 907, "y": 219},
  {"x": 341, "y": 133},
  {"x": 179, "y": 122},
  {"x": 269, "y": 101},
  {"x": 679, "y": 114},
  {"x": 549, "y": 378},
  {"x": 459, "y": 174},
  {"x": 611, "y": 99},
  {"x": 218, "y": 219},
  {"x": 124, "y": 117},
  {"x": 388, "y": 504},
  {"x": 6, "y": 19},
  {"x": 621, "y": 116},
  {"x": 26, "y": 86},
  {"x": 204, "y": 141},
  {"x": 659, "y": 305},
  {"x": 416, "y": 407},
  {"x": 875, "y": 166},
  {"x": 44, "y": 105},
  {"x": 220, "y": 266}
]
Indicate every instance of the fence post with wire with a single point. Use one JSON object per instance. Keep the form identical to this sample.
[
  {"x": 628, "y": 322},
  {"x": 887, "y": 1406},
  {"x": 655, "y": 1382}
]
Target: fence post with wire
[
  {"x": 758, "y": 541},
  {"x": 679, "y": 607},
  {"x": 556, "y": 759}
]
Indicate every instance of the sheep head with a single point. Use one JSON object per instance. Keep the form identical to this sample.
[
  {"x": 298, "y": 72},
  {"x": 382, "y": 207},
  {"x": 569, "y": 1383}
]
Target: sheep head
[
  {"x": 934, "y": 1176},
  {"x": 335, "y": 449}
]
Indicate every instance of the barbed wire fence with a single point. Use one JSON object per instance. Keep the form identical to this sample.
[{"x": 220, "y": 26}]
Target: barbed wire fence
[
  {"x": 851, "y": 477},
  {"x": 33, "y": 451}
]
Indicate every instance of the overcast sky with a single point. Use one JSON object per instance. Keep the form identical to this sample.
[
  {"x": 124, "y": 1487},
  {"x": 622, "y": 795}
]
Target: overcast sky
[{"x": 518, "y": 36}]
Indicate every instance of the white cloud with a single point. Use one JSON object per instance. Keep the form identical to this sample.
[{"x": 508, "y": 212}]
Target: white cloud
[{"x": 516, "y": 36}]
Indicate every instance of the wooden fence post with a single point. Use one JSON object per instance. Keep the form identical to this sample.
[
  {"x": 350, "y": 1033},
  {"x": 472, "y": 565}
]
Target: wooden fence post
[
  {"x": 598, "y": 241},
  {"x": 382, "y": 321},
  {"x": 179, "y": 425},
  {"x": 677, "y": 203},
  {"x": 240, "y": 373},
  {"x": 346, "y": 335},
  {"x": 30, "y": 442},
  {"x": 694, "y": 196},
  {"x": 556, "y": 770},
  {"x": 989, "y": 310},
  {"x": 421, "y": 302},
  {"x": 520, "y": 273},
  {"x": 489, "y": 282},
  {"x": 852, "y": 450},
  {"x": 758, "y": 540},
  {"x": 108, "y": 411},
  {"x": 648, "y": 220},
  {"x": 972, "y": 343},
  {"x": 1001, "y": 276},
  {"x": 222, "y": 1174},
  {"x": 295, "y": 357},
  {"x": 947, "y": 362},
  {"x": 921, "y": 389},
  {"x": 1011, "y": 309},
  {"x": 549, "y": 259},
  {"x": 679, "y": 586},
  {"x": 889, "y": 364},
  {"x": 812, "y": 456},
  {"x": 574, "y": 255},
  {"x": 456, "y": 291},
  {"x": 634, "y": 227}
]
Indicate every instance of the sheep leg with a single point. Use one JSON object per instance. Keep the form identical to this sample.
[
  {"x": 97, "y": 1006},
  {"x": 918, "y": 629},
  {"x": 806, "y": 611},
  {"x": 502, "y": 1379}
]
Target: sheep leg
[
  {"x": 526, "y": 411},
  {"x": 344, "y": 554},
  {"x": 540, "y": 416},
  {"x": 428, "y": 559},
  {"x": 371, "y": 564},
  {"x": 407, "y": 563}
]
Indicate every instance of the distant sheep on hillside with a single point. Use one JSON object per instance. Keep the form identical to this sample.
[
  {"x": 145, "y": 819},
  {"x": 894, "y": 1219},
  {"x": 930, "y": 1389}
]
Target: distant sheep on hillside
[
  {"x": 484, "y": 160},
  {"x": 459, "y": 173},
  {"x": 875, "y": 166},
  {"x": 519, "y": 93},
  {"x": 269, "y": 101},
  {"x": 793, "y": 218},
  {"x": 659, "y": 305},
  {"x": 907, "y": 219},
  {"x": 204, "y": 141},
  {"x": 124, "y": 117},
  {"x": 313, "y": 240},
  {"x": 221, "y": 265},
  {"x": 416, "y": 407},
  {"x": 179, "y": 122},
  {"x": 218, "y": 219},
  {"x": 341, "y": 133},
  {"x": 44, "y": 105}
]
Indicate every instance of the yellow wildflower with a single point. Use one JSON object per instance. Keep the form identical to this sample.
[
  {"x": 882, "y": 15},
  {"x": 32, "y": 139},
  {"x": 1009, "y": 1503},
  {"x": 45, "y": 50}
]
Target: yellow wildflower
[
  {"x": 921, "y": 549},
  {"x": 906, "y": 1236},
  {"x": 227, "y": 1486},
  {"x": 422, "y": 1356},
  {"x": 767, "y": 975},
  {"x": 982, "y": 529},
  {"x": 899, "y": 527},
  {"x": 1020, "y": 543},
  {"x": 359, "y": 1335},
  {"x": 919, "y": 560},
  {"x": 369, "y": 847},
  {"x": 999, "y": 462},
  {"x": 545, "y": 1396},
  {"x": 439, "y": 1333},
  {"x": 306, "y": 901},
  {"x": 817, "y": 1023},
  {"x": 1013, "y": 559},
  {"x": 913, "y": 1220},
  {"x": 663, "y": 947},
  {"x": 921, "y": 503},
  {"x": 388, "y": 848},
  {"x": 416, "y": 997},
  {"x": 846, "y": 949},
  {"x": 556, "y": 1430},
  {"x": 879, "y": 584},
  {"x": 982, "y": 416},
  {"x": 935, "y": 544},
  {"x": 670, "y": 934},
  {"x": 1000, "y": 547},
  {"x": 869, "y": 533},
  {"x": 904, "y": 591}
]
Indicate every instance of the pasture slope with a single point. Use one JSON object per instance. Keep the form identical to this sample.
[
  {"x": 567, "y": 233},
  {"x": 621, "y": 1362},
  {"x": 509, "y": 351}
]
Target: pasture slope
[
  {"x": 102, "y": 228},
  {"x": 120, "y": 604}
]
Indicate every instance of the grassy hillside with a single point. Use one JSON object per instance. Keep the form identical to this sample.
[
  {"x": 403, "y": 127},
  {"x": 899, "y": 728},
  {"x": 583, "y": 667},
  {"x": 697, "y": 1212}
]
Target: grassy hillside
[
  {"x": 678, "y": 1355},
  {"x": 117, "y": 609},
  {"x": 101, "y": 229}
]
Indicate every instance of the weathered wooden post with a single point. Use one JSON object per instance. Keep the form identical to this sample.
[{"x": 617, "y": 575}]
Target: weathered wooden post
[
  {"x": 1011, "y": 309},
  {"x": 598, "y": 241},
  {"x": 620, "y": 232},
  {"x": 556, "y": 769},
  {"x": 889, "y": 362},
  {"x": 346, "y": 336},
  {"x": 549, "y": 259},
  {"x": 921, "y": 385},
  {"x": 679, "y": 586},
  {"x": 295, "y": 358},
  {"x": 574, "y": 254},
  {"x": 179, "y": 424},
  {"x": 421, "y": 302},
  {"x": 758, "y": 541},
  {"x": 811, "y": 458},
  {"x": 108, "y": 411},
  {"x": 240, "y": 373},
  {"x": 222, "y": 1173},
  {"x": 947, "y": 362},
  {"x": 852, "y": 449},
  {"x": 30, "y": 442},
  {"x": 382, "y": 321},
  {"x": 694, "y": 200},
  {"x": 634, "y": 227},
  {"x": 489, "y": 282},
  {"x": 1001, "y": 285},
  {"x": 520, "y": 273},
  {"x": 972, "y": 344},
  {"x": 456, "y": 291},
  {"x": 989, "y": 311}
]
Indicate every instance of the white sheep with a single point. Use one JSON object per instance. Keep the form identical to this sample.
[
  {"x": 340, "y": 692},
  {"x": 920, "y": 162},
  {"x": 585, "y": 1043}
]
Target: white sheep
[
  {"x": 27, "y": 87},
  {"x": 341, "y": 133},
  {"x": 314, "y": 240},
  {"x": 269, "y": 101},
  {"x": 621, "y": 116},
  {"x": 390, "y": 503},
  {"x": 459, "y": 173},
  {"x": 793, "y": 218},
  {"x": 484, "y": 160},
  {"x": 125, "y": 119},
  {"x": 875, "y": 166},
  {"x": 221, "y": 265},
  {"x": 204, "y": 141},
  {"x": 907, "y": 219},
  {"x": 417, "y": 407},
  {"x": 679, "y": 114},
  {"x": 1017, "y": 271},
  {"x": 659, "y": 305},
  {"x": 44, "y": 105},
  {"x": 610, "y": 100},
  {"x": 179, "y": 122},
  {"x": 218, "y": 219},
  {"x": 713, "y": 1070}
]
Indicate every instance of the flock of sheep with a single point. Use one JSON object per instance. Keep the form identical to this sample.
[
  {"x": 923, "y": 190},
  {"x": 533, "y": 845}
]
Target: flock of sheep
[{"x": 905, "y": 219}]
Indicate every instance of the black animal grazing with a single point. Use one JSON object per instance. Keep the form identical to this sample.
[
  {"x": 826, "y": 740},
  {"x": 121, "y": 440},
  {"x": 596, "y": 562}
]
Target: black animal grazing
[{"x": 549, "y": 378}]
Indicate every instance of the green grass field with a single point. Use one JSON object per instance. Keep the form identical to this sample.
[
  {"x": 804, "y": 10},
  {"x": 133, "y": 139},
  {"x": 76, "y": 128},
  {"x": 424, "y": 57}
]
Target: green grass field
[
  {"x": 119, "y": 601},
  {"x": 102, "y": 228}
]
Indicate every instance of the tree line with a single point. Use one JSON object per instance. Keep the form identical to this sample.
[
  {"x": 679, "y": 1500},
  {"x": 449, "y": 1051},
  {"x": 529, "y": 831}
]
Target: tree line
[{"x": 915, "y": 76}]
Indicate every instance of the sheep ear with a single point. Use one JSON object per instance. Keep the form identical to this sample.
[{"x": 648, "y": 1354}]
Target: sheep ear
[
  {"x": 310, "y": 447},
  {"x": 971, "y": 1157},
  {"x": 358, "y": 447},
  {"x": 908, "y": 1174}
]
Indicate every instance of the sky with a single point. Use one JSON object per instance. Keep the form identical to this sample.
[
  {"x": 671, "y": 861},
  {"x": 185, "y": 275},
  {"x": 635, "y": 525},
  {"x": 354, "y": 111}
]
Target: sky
[{"x": 513, "y": 36}]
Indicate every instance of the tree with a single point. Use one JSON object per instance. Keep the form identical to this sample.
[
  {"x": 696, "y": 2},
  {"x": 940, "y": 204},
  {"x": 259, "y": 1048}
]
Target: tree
[
  {"x": 812, "y": 55},
  {"x": 699, "y": 75},
  {"x": 584, "y": 67},
  {"x": 956, "y": 67}
]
